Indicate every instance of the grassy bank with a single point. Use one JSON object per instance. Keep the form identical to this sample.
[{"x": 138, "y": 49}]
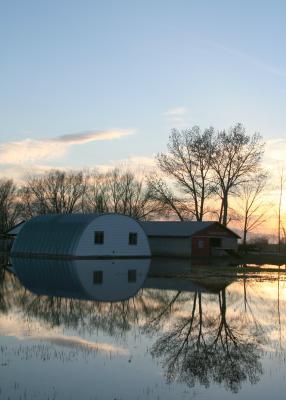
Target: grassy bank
[{"x": 261, "y": 258}]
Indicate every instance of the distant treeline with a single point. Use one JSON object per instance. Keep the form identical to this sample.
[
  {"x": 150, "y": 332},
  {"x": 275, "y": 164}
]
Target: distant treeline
[{"x": 195, "y": 179}]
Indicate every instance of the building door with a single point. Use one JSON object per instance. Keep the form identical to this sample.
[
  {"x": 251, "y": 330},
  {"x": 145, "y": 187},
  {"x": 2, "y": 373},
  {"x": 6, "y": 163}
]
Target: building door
[{"x": 200, "y": 246}]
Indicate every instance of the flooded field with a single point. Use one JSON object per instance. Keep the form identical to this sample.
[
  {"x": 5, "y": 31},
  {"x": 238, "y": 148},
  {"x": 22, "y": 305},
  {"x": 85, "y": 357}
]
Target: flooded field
[{"x": 141, "y": 329}]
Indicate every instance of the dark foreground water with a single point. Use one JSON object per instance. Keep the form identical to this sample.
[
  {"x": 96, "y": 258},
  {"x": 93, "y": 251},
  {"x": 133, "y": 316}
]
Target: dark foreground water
[{"x": 119, "y": 330}]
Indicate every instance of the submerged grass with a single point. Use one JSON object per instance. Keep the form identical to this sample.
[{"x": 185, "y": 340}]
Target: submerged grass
[{"x": 215, "y": 276}]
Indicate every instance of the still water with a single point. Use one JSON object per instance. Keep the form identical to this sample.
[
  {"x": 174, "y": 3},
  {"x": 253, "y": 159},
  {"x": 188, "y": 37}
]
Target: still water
[{"x": 141, "y": 329}]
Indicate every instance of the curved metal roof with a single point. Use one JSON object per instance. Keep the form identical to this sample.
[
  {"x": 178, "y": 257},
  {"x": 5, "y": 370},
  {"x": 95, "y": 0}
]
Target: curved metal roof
[{"x": 55, "y": 234}]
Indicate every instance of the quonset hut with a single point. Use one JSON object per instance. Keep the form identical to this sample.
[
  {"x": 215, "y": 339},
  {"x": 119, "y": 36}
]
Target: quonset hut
[
  {"x": 81, "y": 235},
  {"x": 189, "y": 238}
]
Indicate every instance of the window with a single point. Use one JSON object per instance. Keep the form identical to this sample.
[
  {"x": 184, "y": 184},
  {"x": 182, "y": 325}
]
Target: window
[
  {"x": 215, "y": 242},
  {"x": 133, "y": 238},
  {"x": 201, "y": 244},
  {"x": 132, "y": 275},
  {"x": 97, "y": 277},
  {"x": 98, "y": 237}
]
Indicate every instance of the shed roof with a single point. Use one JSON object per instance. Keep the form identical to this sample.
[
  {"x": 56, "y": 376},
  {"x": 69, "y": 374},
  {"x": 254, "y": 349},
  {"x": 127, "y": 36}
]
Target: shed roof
[
  {"x": 52, "y": 233},
  {"x": 178, "y": 228},
  {"x": 174, "y": 228}
]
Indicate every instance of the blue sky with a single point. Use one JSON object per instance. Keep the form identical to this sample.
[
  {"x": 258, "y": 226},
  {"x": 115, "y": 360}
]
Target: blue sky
[{"x": 127, "y": 72}]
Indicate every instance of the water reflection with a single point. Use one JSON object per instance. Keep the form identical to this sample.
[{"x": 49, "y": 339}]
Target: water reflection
[
  {"x": 201, "y": 343},
  {"x": 206, "y": 327},
  {"x": 52, "y": 291},
  {"x": 202, "y": 347},
  {"x": 100, "y": 280}
]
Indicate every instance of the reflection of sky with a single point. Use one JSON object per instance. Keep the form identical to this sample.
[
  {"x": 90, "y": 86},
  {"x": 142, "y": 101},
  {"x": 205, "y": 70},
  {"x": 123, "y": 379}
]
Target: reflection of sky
[
  {"x": 265, "y": 306},
  {"x": 34, "y": 331}
]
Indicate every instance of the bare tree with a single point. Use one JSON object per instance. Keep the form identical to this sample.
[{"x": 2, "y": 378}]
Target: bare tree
[
  {"x": 284, "y": 236},
  {"x": 188, "y": 162},
  {"x": 168, "y": 204},
  {"x": 96, "y": 198},
  {"x": 128, "y": 195},
  {"x": 236, "y": 157},
  {"x": 120, "y": 192},
  {"x": 206, "y": 163},
  {"x": 251, "y": 206},
  {"x": 54, "y": 192},
  {"x": 9, "y": 205}
]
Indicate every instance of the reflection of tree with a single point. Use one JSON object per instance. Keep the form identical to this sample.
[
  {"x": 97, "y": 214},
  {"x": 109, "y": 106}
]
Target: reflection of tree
[
  {"x": 163, "y": 312},
  {"x": 201, "y": 348},
  {"x": 6, "y": 283},
  {"x": 113, "y": 318},
  {"x": 116, "y": 318},
  {"x": 203, "y": 342},
  {"x": 2, "y": 280},
  {"x": 81, "y": 315}
]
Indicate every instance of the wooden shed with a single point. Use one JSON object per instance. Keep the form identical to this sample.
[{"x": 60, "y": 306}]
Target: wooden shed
[
  {"x": 81, "y": 235},
  {"x": 189, "y": 238}
]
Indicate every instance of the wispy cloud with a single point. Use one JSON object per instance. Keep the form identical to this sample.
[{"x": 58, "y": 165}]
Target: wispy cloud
[
  {"x": 33, "y": 150},
  {"x": 175, "y": 112},
  {"x": 91, "y": 136},
  {"x": 176, "y": 116},
  {"x": 250, "y": 59},
  {"x": 275, "y": 151},
  {"x": 141, "y": 166},
  {"x": 18, "y": 172}
]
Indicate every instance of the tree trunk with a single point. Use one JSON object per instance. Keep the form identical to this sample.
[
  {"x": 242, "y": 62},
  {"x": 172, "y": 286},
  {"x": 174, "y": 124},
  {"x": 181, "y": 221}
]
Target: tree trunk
[
  {"x": 225, "y": 209},
  {"x": 244, "y": 232}
]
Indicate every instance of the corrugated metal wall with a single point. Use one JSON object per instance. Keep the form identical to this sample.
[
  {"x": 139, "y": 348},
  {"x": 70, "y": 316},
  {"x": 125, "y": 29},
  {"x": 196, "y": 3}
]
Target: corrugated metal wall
[{"x": 51, "y": 234}]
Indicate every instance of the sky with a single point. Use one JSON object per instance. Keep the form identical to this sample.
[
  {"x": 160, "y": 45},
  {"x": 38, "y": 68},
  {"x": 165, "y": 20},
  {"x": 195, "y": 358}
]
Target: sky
[{"x": 87, "y": 84}]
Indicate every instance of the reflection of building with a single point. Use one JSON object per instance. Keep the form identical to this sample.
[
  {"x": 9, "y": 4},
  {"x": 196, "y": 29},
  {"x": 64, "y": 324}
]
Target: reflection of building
[
  {"x": 101, "y": 280},
  {"x": 184, "y": 275},
  {"x": 82, "y": 235},
  {"x": 189, "y": 238}
]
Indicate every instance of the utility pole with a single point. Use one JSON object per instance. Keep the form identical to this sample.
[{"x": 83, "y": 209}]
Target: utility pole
[{"x": 279, "y": 211}]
